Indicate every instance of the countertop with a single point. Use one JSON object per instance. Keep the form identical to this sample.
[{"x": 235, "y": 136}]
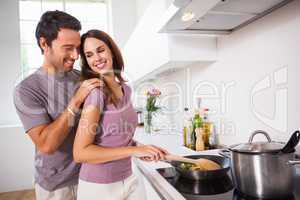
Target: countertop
[{"x": 172, "y": 142}]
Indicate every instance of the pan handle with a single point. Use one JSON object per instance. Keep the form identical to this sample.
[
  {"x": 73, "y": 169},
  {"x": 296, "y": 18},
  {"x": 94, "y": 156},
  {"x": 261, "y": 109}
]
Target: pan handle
[
  {"x": 225, "y": 153},
  {"x": 167, "y": 161}
]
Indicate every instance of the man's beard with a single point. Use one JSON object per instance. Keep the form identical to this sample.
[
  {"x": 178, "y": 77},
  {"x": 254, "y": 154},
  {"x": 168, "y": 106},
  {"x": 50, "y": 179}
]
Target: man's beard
[{"x": 57, "y": 64}]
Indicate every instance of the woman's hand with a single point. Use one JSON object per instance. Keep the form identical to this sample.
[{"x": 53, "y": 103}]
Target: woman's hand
[
  {"x": 146, "y": 158},
  {"x": 150, "y": 153}
]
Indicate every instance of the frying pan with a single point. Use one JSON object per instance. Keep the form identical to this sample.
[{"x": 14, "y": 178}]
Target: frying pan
[{"x": 202, "y": 175}]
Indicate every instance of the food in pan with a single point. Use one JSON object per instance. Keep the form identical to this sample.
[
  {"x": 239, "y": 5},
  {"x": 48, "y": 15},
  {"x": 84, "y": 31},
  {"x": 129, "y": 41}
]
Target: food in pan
[{"x": 190, "y": 166}]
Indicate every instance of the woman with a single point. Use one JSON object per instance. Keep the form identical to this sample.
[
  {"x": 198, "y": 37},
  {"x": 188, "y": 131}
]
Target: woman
[{"x": 103, "y": 140}]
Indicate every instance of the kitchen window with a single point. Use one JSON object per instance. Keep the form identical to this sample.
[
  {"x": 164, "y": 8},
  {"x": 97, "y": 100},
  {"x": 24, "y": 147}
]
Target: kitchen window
[{"x": 91, "y": 13}]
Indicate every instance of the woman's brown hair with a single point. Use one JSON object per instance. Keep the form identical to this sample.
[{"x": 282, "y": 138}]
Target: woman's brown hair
[{"x": 118, "y": 63}]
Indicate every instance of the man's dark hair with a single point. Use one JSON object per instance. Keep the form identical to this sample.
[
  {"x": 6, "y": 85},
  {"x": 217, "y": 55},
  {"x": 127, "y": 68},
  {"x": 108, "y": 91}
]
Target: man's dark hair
[{"x": 50, "y": 24}]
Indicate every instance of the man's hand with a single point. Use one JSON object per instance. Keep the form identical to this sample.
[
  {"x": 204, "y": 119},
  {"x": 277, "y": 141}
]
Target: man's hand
[{"x": 85, "y": 88}]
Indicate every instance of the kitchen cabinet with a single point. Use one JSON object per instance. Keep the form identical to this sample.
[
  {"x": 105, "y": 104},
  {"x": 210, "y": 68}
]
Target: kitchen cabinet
[
  {"x": 156, "y": 186},
  {"x": 148, "y": 52},
  {"x": 150, "y": 192}
]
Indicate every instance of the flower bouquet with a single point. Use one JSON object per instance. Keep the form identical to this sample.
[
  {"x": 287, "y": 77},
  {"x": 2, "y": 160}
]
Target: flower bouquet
[{"x": 151, "y": 108}]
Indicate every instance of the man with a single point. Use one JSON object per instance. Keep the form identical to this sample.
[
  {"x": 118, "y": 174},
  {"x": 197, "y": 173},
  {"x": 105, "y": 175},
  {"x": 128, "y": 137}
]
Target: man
[{"x": 47, "y": 103}]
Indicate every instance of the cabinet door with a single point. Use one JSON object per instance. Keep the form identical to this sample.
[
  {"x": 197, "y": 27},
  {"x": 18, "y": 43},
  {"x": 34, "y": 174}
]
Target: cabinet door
[{"x": 144, "y": 185}]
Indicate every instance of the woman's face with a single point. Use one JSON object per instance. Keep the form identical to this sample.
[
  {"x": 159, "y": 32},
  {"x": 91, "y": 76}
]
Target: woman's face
[{"x": 98, "y": 56}]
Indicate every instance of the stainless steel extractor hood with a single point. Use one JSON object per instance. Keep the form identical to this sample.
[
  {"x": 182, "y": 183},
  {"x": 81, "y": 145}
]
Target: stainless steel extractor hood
[{"x": 215, "y": 16}]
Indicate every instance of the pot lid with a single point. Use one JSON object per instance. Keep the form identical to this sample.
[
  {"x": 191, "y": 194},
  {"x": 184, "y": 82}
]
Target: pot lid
[{"x": 258, "y": 147}]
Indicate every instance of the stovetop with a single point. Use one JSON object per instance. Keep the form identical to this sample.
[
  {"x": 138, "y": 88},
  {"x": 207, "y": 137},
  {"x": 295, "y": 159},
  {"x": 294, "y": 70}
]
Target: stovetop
[{"x": 215, "y": 189}]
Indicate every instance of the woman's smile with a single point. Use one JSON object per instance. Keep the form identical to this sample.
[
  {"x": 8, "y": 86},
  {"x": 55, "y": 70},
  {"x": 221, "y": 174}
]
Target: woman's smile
[{"x": 100, "y": 65}]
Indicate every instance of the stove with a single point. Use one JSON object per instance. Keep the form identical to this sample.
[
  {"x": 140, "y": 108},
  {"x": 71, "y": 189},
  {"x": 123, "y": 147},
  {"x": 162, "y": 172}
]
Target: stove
[{"x": 215, "y": 189}]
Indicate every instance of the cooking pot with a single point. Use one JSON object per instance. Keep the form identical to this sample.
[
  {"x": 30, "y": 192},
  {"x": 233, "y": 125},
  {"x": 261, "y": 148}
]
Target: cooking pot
[{"x": 262, "y": 169}]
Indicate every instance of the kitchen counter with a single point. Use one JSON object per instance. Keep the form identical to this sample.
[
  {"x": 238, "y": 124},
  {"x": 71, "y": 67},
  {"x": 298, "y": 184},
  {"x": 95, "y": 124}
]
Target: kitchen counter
[{"x": 173, "y": 143}]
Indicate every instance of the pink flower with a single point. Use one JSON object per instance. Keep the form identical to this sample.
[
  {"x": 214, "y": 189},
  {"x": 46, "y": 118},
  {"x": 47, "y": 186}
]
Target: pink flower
[
  {"x": 151, "y": 102},
  {"x": 154, "y": 92}
]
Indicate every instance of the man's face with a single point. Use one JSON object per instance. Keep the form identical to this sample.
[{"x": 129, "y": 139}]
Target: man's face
[{"x": 64, "y": 50}]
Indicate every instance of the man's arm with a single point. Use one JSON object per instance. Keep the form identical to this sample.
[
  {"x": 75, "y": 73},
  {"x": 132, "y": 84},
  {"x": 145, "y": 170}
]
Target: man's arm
[{"x": 48, "y": 137}]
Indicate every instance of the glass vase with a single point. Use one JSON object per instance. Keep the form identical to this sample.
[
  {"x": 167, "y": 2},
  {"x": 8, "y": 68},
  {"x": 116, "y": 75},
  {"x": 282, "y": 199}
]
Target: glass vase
[{"x": 148, "y": 122}]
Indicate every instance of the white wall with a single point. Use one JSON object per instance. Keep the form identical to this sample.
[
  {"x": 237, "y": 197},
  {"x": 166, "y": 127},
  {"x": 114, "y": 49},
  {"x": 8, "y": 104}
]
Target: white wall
[
  {"x": 16, "y": 150},
  {"x": 123, "y": 18},
  {"x": 16, "y": 158},
  {"x": 10, "y": 58},
  {"x": 141, "y": 6},
  {"x": 266, "y": 48},
  {"x": 254, "y": 53},
  {"x": 146, "y": 49}
]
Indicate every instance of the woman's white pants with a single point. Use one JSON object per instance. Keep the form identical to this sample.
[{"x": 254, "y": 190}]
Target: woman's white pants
[{"x": 128, "y": 189}]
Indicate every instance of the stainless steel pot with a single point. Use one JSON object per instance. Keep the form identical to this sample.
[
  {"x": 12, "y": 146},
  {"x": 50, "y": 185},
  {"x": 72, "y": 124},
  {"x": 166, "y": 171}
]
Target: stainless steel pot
[{"x": 261, "y": 170}]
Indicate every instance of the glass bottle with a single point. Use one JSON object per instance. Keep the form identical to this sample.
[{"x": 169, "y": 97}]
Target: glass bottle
[
  {"x": 185, "y": 127},
  {"x": 207, "y": 126},
  {"x": 197, "y": 123}
]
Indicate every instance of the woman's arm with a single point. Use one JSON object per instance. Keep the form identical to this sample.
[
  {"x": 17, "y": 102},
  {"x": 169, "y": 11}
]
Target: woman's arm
[{"x": 85, "y": 151}]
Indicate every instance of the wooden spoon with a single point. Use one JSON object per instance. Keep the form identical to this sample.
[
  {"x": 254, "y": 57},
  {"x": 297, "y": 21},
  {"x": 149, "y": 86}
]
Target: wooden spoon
[{"x": 203, "y": 163}]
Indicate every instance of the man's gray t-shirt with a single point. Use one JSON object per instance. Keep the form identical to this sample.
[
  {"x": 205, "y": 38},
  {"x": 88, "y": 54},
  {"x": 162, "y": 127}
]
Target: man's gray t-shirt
[{"x": 40, "y": 99}]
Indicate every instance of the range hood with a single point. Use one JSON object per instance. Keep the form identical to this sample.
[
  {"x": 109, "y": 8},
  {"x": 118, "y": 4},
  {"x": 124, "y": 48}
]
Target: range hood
[{"x": 215, "y": 16}]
